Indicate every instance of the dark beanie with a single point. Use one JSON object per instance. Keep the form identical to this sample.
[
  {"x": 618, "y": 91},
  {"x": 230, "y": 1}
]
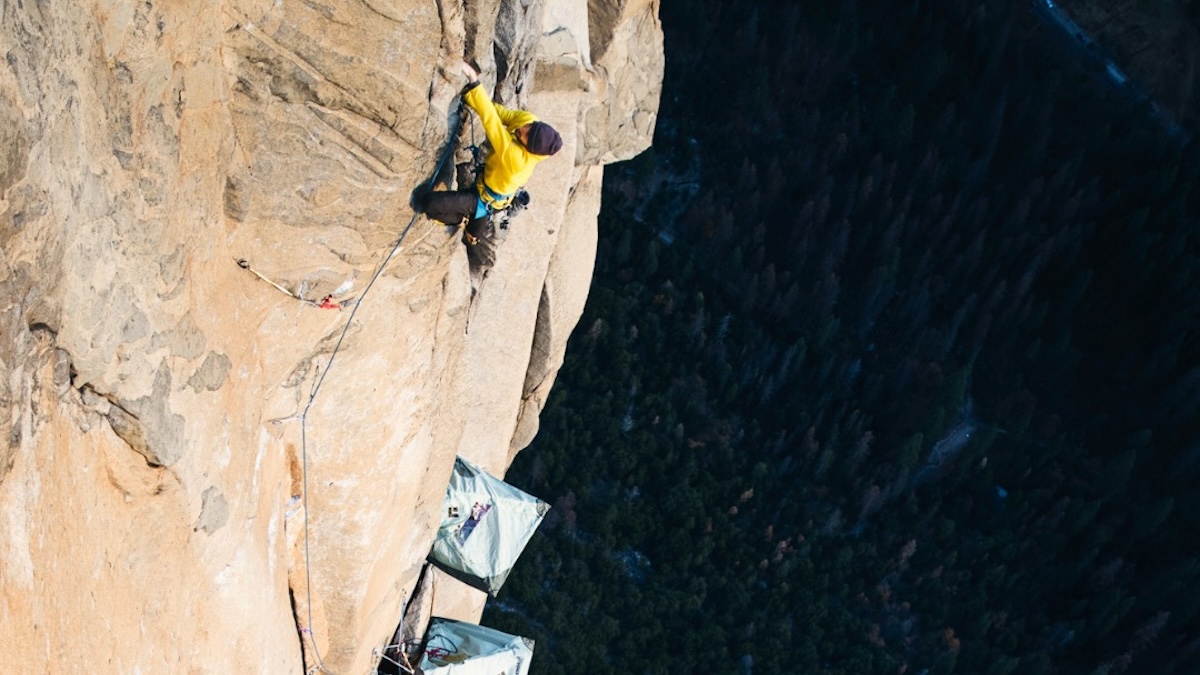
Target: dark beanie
[{"x": 543, "y": 139}]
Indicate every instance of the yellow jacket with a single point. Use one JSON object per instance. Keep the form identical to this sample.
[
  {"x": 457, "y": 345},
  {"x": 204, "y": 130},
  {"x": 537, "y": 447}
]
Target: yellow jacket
[{"x": 510, "y": 165}]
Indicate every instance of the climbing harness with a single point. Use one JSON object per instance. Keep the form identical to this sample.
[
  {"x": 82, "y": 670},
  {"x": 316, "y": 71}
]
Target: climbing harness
[
  {"x": 446, "y": 153},
  {"x": 519, "y": 203},
  {"x": 504, "y": 207},
  {"x": 495, "y": 202}
]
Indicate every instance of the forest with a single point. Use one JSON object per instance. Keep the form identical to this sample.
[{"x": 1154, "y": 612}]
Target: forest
[{"x": 889, "y": 365}]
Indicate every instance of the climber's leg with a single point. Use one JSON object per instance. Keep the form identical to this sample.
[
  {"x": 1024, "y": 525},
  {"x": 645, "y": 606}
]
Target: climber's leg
[
  {"x": 450, "y": 207},
  {"x": 478, "y": 228}
]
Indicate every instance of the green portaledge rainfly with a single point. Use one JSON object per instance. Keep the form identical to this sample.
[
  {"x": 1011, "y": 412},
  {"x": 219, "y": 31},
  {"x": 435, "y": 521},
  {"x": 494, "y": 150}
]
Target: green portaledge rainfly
[{"x": 485, "y": 526}]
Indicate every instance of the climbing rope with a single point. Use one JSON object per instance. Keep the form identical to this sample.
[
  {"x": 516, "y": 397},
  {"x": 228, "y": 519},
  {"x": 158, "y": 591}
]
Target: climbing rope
[{"x": 447, "y": 152}]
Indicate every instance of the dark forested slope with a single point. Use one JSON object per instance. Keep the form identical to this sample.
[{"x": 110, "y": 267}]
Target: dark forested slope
[{"x": 890, "y": 365}]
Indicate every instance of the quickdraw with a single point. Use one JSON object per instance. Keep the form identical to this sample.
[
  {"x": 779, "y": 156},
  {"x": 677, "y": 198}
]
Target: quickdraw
[{"x": 326, "y": 302}]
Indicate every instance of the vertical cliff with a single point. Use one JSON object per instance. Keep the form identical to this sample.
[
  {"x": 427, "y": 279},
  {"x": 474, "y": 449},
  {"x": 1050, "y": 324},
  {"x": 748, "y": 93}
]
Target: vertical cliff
[{"x": 166, "y": 505}]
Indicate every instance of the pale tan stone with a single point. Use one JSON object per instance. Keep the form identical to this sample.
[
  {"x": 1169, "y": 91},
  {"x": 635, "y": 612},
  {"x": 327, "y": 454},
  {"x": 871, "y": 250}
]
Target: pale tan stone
[
  {"x": 168, "y": 480},
  {"x": 626, "y": 51}
]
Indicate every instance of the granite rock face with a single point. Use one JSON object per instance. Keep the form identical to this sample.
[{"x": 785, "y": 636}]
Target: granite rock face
[{"x": 202, "y": 469}]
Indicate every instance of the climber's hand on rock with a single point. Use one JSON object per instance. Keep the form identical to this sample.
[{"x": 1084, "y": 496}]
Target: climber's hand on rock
[{"x": 470, "y": 72}]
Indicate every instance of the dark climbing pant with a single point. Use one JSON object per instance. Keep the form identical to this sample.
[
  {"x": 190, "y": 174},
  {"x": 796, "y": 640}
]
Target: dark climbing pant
[{"x": 454, "y": 206}]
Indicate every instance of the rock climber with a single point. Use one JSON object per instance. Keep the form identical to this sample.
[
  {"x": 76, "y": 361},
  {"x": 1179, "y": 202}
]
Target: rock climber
[{"x": 519, "y": 141}]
